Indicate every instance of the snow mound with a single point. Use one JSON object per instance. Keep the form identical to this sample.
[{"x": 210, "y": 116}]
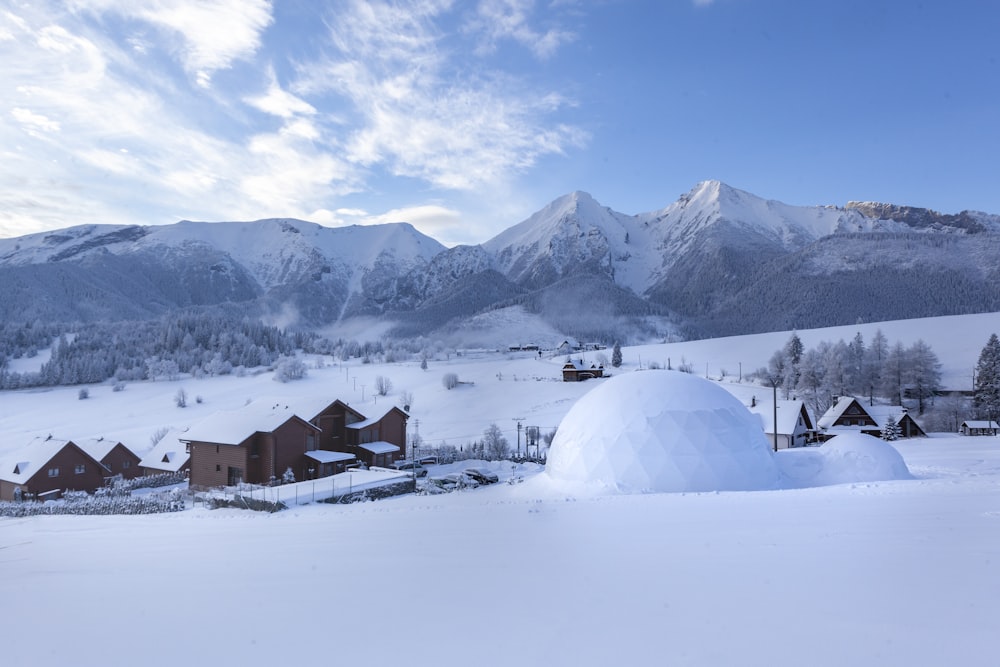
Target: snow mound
[
  {"x": 844, "y": 459},
  {"x": 662, "y": 431}
]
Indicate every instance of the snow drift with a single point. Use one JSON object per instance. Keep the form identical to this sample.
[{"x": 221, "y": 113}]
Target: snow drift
[
  {"x": 844, "y": 459},
  {"x": 662, "y": 431}
]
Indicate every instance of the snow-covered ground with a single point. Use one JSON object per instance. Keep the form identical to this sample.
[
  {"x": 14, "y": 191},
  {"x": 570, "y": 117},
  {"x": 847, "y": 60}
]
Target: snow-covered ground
[{"x": 874, "y": 572}]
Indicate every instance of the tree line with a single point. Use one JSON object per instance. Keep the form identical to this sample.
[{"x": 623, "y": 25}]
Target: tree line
[{"x": 878, "y": 369}]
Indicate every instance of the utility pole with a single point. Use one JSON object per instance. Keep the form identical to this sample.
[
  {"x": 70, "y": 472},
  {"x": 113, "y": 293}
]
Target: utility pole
[{"x": 518, "y": 439}]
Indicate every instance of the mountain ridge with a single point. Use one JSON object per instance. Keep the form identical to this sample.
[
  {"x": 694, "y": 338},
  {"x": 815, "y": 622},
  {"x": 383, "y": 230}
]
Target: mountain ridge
[{"x": 713, "y": 251}]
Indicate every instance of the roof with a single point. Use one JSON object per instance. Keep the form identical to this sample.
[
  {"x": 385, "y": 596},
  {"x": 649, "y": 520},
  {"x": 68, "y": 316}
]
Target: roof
[
  {"x": 231, "y": 427},
  {"x": 306, "y": 407},
  {"x": 881, "y": 414},
  {"x": 372, "y": 420},
  {"x": 579, "y": 365},
  {"x": 21, "y": 465},
  {"x": 788, "y": 415},
  {"x": 98, "y": 447},
  {"x": 324, "y": 456},
  {"x": 980, "y": 423},
  {"x": 168, "y": 455},
  {"x": 380, "y": 447}
]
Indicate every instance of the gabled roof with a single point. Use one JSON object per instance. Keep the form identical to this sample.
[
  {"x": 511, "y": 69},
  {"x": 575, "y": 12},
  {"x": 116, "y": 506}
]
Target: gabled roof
[
  {"x": 788, "y": 415},
  {"x": 21, "y": 465},
  {"x": 231, "y": 427},
  {"x": 306, "y": 407},
  {"x": 880, "y": 414},
  {"x": 168, "y": 455},
  {"x": 375, "y": 420},
  {"x": 579, "y": 365},
  {"x": 98, "y": 447}
]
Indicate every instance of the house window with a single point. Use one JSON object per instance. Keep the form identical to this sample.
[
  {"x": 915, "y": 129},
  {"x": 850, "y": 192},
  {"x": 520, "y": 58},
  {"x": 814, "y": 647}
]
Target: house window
[
  {"x": 53, "y": 472},
  {"x": 310, "y": 442},
  {"x": 125, "y": 464},
  {"x": 80, "y": 469},
  {"x": 218, "y": 468},
  {"x": 109, "y": 466},
  {"x": 254, "y": 449}
]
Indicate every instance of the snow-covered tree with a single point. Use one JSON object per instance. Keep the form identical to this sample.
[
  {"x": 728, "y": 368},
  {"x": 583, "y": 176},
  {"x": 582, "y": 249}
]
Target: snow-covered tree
[
  {"x": 383, "y": 385},
  {"x": 449, "y": 380},
  {"x": 923, "y": 372},
  {"x": 987, "y": 385},
  {"x": 181, "y": 398},
  {"x": 890, "y": 430},
  {"x": 289, "y": 368},
  {"x": 616, "y": 355},
  {"x": 894, "y": 374},
  {"x": 495, "y": 445}
]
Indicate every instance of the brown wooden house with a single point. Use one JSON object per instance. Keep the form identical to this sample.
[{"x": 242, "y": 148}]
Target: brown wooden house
[
  {"x": 116, "y": 458},
  {"x": 47, "y": 467},
  {"x": 578, "y": 370},
  {"x": 255, "y": 444},
  {"x": 379, "y": 441},
  {"x": 849, "y": 415},
  {"x": 169, "y": 455}
]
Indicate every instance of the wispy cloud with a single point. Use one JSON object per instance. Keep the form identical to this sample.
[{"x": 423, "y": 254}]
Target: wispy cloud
[
  {"x": 117, "y": 112},
  {"x": 211, "y": 34},
  {"x": 498, "y": 20},
  {"x": 417, "y": 114}
]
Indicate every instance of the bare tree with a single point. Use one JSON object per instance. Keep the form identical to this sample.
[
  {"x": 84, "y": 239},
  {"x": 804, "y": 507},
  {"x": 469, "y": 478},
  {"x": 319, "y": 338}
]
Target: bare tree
[
  {"x": 383, "y": 385},
  {"x": 450, "y": 380}
]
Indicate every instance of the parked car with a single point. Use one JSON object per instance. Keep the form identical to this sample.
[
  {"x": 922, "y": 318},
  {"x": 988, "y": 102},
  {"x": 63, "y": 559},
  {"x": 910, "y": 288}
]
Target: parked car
[
  {"x": 452, "y": 481},
  {"x": 481, "y": 475},
  {"x": 409, "y": 466}
]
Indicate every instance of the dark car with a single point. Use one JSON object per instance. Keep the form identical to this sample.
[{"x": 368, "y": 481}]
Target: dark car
[{"x": 481, "y": 475}]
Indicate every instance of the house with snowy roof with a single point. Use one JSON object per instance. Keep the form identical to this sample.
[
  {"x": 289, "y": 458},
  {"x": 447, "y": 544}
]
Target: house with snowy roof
[
  {"x": 380, "y": 440},
  {"x": 794, "y": 424},
  {"x": 168, "y": 455},
  {"x": 577, "y": 370},
  {"x": 116, "y": 458},
  {"x": 46, "y": 467},
  {"x": 849, "y": 415},
  {"x": 312, "y": 437},
  {"x": 979, "y": 427}
]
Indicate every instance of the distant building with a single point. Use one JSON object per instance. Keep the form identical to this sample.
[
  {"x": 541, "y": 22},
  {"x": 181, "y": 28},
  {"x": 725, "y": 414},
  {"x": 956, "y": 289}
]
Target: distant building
[
  {"x": 794, "y": 426},
  {"x": 849, "y": 415},
  {"x": 979, "y": 427},
  {"x": 579, "y": 370}
]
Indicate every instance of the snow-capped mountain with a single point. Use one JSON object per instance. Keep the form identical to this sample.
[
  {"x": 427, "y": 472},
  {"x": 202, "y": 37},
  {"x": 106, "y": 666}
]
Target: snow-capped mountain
[{"x": 716, "y": 261}]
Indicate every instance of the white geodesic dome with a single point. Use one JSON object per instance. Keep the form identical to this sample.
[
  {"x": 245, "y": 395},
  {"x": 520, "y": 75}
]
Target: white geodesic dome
[{"x": 662, "y": 431}]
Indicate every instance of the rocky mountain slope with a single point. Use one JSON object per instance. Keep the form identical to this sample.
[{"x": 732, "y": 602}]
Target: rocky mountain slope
[{"x": 717, "y": 261}]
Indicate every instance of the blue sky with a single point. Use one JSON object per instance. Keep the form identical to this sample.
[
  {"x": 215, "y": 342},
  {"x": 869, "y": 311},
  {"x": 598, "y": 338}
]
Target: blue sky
[{"x": 466, "y": 117}]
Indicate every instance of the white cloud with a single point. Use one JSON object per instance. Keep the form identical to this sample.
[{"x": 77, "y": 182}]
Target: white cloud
[
  {"x": 498, "y": 20},
  {"x": 279, "y": 102},
  {"x": 419, "y": 116},
  {"x": 213, "y": 33},
  {"x": 33, "y": 121}
]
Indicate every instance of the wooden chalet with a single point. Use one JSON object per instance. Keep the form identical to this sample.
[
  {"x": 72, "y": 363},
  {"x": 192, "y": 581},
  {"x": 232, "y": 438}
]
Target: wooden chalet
[
  {"x": 979, "y": 427},
  {"x": 794, "y": 424},
  {"x": 116, "y": 458},
  {"x": 849, "y": 415},
  {"x": 578, "y": 370},
  {"x": 313, "y": 437},
  {"x": 169, "y": 455},
  {"x": 46, "y": 467}
]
